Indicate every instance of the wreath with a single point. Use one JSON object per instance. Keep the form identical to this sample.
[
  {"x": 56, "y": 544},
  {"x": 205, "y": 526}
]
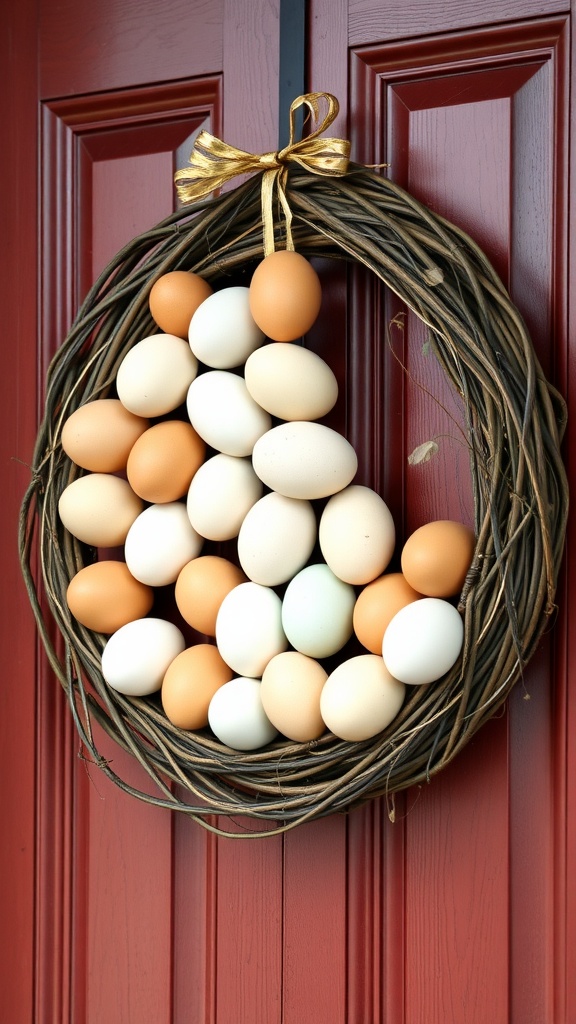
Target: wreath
[{"x": 514, "y": 420}]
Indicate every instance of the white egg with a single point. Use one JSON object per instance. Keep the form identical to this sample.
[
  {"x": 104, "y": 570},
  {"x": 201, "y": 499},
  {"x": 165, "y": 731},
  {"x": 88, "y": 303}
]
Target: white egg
[
  {"x": 360, "y": 698},
  {"x": 304, "y": 460},
  {"x": 291, "y": 382},
  {"x": 237, "y": 717},
  {"x": 154, "y": 376},
  {"x": 423, "y": 641},
  {"x": 222, "y": 491},
  {"x": 317, "y": 611},
  {"x": 222, "y": 411},
  {"x": 249, "y": 628},
  {"x": 159, "y": 544},
  {"x": 276, "y": 538},
  {"x": 357, "y": 534},
  {"x": 222, "y": 331},
  {"x": 136, "y": 656},
  {"x": 99, "y": 509}
]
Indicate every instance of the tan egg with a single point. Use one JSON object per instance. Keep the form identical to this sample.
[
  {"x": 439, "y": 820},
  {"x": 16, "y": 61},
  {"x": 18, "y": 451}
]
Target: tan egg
[
  {"x": 290, "y": 691},
  {"x": 377, "y": 604},
  {"x": 189, "y": 684},
  {"x": 99, "y": 435},
  {"x": 201, "y": 587},
  {"x": 174, "y": 298},
  {"x": 437, "y": 556},
  {"x": 105, "y": 596},
  {"x": 285, "y": 295},
  {"x": 99, "y": 509},
  {"x": 163, "y": 461}
]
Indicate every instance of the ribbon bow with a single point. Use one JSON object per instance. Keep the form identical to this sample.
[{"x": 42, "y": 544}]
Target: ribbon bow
[{"x": 214, "y": 162}]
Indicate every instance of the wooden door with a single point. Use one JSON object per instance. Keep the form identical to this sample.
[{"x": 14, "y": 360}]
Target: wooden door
[{"x": 462, "y": 911}]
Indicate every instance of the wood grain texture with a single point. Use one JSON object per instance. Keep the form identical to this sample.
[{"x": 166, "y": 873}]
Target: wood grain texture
[{"x": 251, "y": 60}]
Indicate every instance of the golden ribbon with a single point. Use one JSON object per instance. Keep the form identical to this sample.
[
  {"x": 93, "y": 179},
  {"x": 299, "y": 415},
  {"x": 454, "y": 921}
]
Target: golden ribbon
[{"x": 214, "y": 162}]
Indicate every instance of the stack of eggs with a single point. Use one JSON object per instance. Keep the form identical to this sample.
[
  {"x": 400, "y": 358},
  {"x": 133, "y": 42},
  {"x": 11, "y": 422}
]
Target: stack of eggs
[{"x": 214, "y": 438}]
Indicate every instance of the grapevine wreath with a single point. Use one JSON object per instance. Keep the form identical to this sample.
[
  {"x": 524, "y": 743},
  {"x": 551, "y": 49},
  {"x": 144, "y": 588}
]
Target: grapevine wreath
[{"x": 309, "y": 198}]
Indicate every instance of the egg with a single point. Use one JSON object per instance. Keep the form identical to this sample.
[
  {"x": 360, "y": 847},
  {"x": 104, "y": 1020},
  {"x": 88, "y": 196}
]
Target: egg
[
  {"x": 285, "y": 295},
  {"x": 190, "y": 682},
  {"x": 291, "y": 382},
  {"x": 437, "y": 556},
  {"x": 104, "y": 596},
  {"x": 376, "y": 604},
  {"x": 99, "y": 509},
  {"x": 360, "y": 698},
  {"x": 276, "y": 538},
  {"x": 357, "y": 534},
  {"x": 237, "y": 717},
  {"x": 249, "y": 628},
  {"x": 163, "y": 461},
  {"x": 304, "y": 460},
  {"x": 222, "y": 332},
  {"x": 201, "y": 586},
  {"x": 423, "y": 641},
  {"x": 222, "y": 491},
  {"x": 99, "y": 435},
  {"x": 136, "y": 657},
  {"x": 290, "y": 691},
  {"x": 317, "y": 611},
  {"x": 159, "y": 544},
  {"x": 155, "y": 374},
  {"x": 222, "y": 411},
  {"x": 174, "y": 298}
]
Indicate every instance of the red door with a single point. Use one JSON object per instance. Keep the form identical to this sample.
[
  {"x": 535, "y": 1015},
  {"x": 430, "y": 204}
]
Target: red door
[{"x": 463, "y": 910}]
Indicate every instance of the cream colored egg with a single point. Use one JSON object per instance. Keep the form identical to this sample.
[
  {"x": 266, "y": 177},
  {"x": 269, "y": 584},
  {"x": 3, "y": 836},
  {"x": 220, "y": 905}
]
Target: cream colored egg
[
  {"x": 237, "y": 717},
  {"x": 222, "y": 491},
  {"x": 136, "y": 657},
  {"x": 159, "y": 544},
  {"x": 357, "y": 534},
  {"x": 291, "y": 687},
  {"x": 222, "y": 332},
  {"x": 249, "y": 628},
  {"x": 276, "y": 538},
  {"x": 291, "y": 382},
  {"x": 222, "y": 411},
  {"x": 154, "y": 376},
  {"x": 423, "y": 641},
  {"x": 99, "y": 509},
  {"x": 304, "y": 460},
  {"x": 360, "y": 698}
]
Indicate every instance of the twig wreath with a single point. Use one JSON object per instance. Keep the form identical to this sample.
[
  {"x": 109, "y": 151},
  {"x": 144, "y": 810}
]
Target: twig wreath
[{"x": 514, "y": 421}]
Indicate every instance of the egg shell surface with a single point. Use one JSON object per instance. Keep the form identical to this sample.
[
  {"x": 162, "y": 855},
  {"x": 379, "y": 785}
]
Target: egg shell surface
[
  {"x": 104, "y": 596},
  {"x": 357, "y": 534},
  {"x": 175, "y": 297},
  {"x": 285, "y": 295},
  {"x": 154, "y": 376},
  {"x": 377, "y": 604},
  {"x": 291, "y": 382},
  {"x": 237, "y": 717},
  {"x": 221, "y": 492},
  {"x": 249, "y": 628},
  {"x": 202, "y": 585},
  {"x": 136, "y": 657},
  {"x": 222, "y": 411},
  {"x": 360, "y": 698},
  {"x": 437, "y": 556},
  {"x": 159, "y": 544},
  {"x": 99, "y": 509},
  {"x": 99, "y": 435},
  {"x": 317, "y": 611},
  {"x": 290, "y": 690},
  {"x": 163, "y": 461},
  {"x": 190, "y": 682},
  {"x": 276, "y": 538},
  {"x": 222, "y": 332},
  {"x": 304, "y": 460},
  {"x": 423, "y": 641}
]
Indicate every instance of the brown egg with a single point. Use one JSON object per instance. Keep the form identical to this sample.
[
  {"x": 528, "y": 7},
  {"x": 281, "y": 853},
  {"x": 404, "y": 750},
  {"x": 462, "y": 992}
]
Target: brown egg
[
  {"x": 285, "y": 295},
  {"x": 290, "y": 690},
  {"x": 189, "y": 684},
  {"x": 377, "y": 604},
  {"x": 201, "y": 587},
  {"x": 174, "y": 298},
  {"x": 105, "y": 596},
  {"x": 437, "y": 556},
  {"x": 163, "y": 461},
  {"x": 99, "y": 435}
]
